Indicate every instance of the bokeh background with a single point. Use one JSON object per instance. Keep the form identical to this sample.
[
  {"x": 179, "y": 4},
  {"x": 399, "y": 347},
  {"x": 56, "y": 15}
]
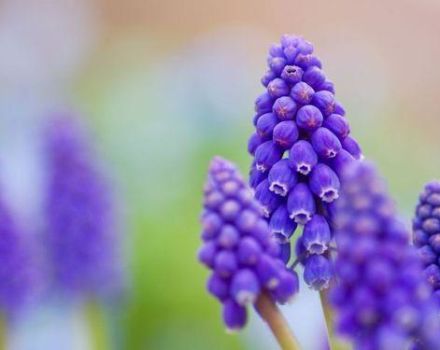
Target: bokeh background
[{"x": 164, "y": 86}]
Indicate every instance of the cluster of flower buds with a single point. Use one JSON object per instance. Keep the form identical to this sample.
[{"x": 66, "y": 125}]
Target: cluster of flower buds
[
  {"x": 80, "y": 225},
  {"x": 426, "y": 231},
  {"x": 238, "y": 246},
  {"x": 380, "y": 295},
  {"x": 300, "y": 146}
]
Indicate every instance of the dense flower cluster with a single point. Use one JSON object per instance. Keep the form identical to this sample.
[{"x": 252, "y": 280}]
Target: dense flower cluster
[
  {"x": 80, "y": 226},
  {"x": 300, "y": 145},
  {"x": 238, "y": 247},
  {"x": 381, "y": 298},
  {"x": 17, "y": 277},
  {"x": 426, "y": 229}
]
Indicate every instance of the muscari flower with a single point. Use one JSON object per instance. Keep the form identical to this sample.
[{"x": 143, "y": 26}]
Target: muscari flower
[
  {"x": 426, "y": 233},
  {"x": 380, "y": 296},
  {"x": 301, "y": 144},
  {"x": 80, "y": 224},
  {"x": 17, "y": 276},
  {"x": 238, "y": 248}
]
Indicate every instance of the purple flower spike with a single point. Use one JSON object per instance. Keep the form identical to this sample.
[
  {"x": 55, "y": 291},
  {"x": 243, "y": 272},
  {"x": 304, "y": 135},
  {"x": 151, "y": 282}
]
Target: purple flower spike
[
  {"x": 309, "y": 118},
  {"x": 281, "y": 225},
  {"x": 80, "y": 223},
  {"x": 239, "y": 247},
  {"x": 317, "y": 235},
  {"x": 302, "y": 93},
  {"x": 325, "y": 143},
  {"x": 284, "y": 108},
  {"x": 301, "y": 204},
  {"x": 317, "y": 272},
  {"x": 381, "y": 298},
  {"x": 303, "y": 157},
  {"x": 266, "y": 155},
  {"x": 324, "y": 183},
  {"x": 281, "y": 178},
  {"x": 285, "y": 134},
  {"x": 277, "y": 88},
  {"x": 265, "y": 125},
  {"x": 311, "y": 132}
]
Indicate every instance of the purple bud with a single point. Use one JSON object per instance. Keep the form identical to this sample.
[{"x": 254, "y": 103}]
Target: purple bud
[
  {"x": 212, "y": 201},
  {"x": 309, "y": 118},
  {"x": 420, "y": 238},
  {"x": 341, "y": 161},
  {"x": 263, "y": 103},
  {"x": 302, "y": 157},
  {"x": 276, "y": 50},
  {"x": 211, "y": 224},
  {"x": 350, "y": 145},
  {"x": 254, "y": 141},
  {"x": 218, "y": 287},
  {"x": 325, "y": 143},
  {"x": 316, "y": 236},
  {"x": 434, "y": 241},
  {"x": 287, "y": 287},
  {"x": 285, "y": 252},
  {"x": 268, "y": 77},
  {"x": 277, "y": 88},
  {"x": 249, "y": 250},
  {"x": 245, "y": 287},
  {"x": 301, "y": 204},
  {"x": 431, "y": 225},
  {"x": 268, "y": 200},
  {"x": 290, "y": 40},
  {"x": 284, "y": 108},
  {"x": 285, "y": 134},
  {"x": 266, "y": 155},
  {"x": 302, "y": 93},
  {"x": 225, "y": 263},
  {"x": 281, "y": 178},
  {"x": 234, "y": 315},
  {"x": 230, "y": 209},
  {"x": 207, "y": 253},
  {"x": 255, "y": 177},
  {"x": 277, "y": 64},
  {"x": 427, "y": 255},
  {"x": 339, "y": 109},
  {"x": 329, "y": 86},
  {"x": 290, "y": 52},
  {"x": 281, "y": 225},
  {"x": 228, "y": 237},
  {"x": 324, "y": 183},
  {"x": 338, "y": 125},
  {"x": 314, "y": 77},
  {"x": 292, "y": 74},
  {"x": 317, "y": 272},
  {"x": 247, "y": 220},
  {"x": 432, "y": 275},
  {"x": 306, "y": 61},
  {"x": 268, "y": 272},
  {"x": 265, "y": 124},
  {"x": 325, "y": 101}
]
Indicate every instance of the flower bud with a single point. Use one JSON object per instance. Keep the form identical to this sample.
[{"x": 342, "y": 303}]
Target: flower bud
[
  {"x": 285, "y": 134},
  {"x": 284, "y": 108},
  {"x": 325, "y": 143},
  {"x": 316, "y": 236},
  {"x": 301, "y": 204},
  {"x": 281, "y": 178},
  {"x": 324, "y": 183},
  {"x": 309, "y": 118},
  {"x": 302, "y": 157},
  {"x": 302, "y": 93}
]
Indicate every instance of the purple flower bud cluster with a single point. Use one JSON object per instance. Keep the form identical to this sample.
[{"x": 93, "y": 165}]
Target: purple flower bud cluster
[
  {"x": 238, "y": 248},
  {"x": 300, "y": 146},
  {"x": 426, "y": 234},
  {"x": 17, "y": 277},
  {"x": 380, "y": 295},
  {"x": 80, "y": 225}
]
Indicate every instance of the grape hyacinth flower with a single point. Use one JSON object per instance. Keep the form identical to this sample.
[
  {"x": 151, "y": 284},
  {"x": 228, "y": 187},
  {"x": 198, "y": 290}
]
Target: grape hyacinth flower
[
  {"x": 426, "y": 234},
  {"x": 238, "y": 248},
  {"x": 380, "y": 296},
  {"x": 17, "y": 276},
  {"x": 80, "y": 224},
  {"x": 301, "y": 144}
]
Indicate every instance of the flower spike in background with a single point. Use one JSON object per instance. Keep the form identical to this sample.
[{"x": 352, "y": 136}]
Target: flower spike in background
[
  {"x": 380, "y": 296},
  {"x": 300, "y": 145},
  {"x": 242, "y": 255}
]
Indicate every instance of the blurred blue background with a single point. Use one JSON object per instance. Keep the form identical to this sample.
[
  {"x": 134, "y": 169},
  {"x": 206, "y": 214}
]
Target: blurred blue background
[{"x": 164, "y": 86}]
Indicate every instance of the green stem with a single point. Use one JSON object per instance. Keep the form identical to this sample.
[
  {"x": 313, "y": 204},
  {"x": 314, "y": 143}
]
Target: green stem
[
  {"x": 3, "y": 333},
  {"x": 328, "y": 318},
  {"x": 270, "y": 313},
  {"x": 97, "y": 326}
]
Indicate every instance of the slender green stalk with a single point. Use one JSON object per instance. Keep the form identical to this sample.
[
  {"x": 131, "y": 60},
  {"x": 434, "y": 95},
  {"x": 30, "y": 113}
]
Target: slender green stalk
[
  {"x": 97, "y": 326},
  {"x": 3, "y": 333},
  {"x": 328, "y": 318},
  {"x": 270, "y": 313}
]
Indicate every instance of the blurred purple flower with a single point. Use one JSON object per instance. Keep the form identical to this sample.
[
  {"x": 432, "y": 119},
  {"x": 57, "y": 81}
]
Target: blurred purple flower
[
  {"x": 300, "y": 147},
  {"x": 237, "y": 247},
  {"x": 381, "y": 298},
  {"x": 80, "y": 223},
  {"x": 17, "y": 275}
]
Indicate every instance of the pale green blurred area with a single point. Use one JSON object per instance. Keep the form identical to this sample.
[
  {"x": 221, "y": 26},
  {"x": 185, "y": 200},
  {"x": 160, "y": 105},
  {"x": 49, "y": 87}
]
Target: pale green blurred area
[{"x": 166, "y": 88}]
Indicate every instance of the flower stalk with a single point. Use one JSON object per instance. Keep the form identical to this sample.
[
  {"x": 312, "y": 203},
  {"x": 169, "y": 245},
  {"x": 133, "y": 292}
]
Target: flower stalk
[
  {"x": 270, "y": 313},
  {"x": 97, "y": 327}
]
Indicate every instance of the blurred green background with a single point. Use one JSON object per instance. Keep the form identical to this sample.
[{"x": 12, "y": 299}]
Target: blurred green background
[{"x": 167, "y": 85}]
